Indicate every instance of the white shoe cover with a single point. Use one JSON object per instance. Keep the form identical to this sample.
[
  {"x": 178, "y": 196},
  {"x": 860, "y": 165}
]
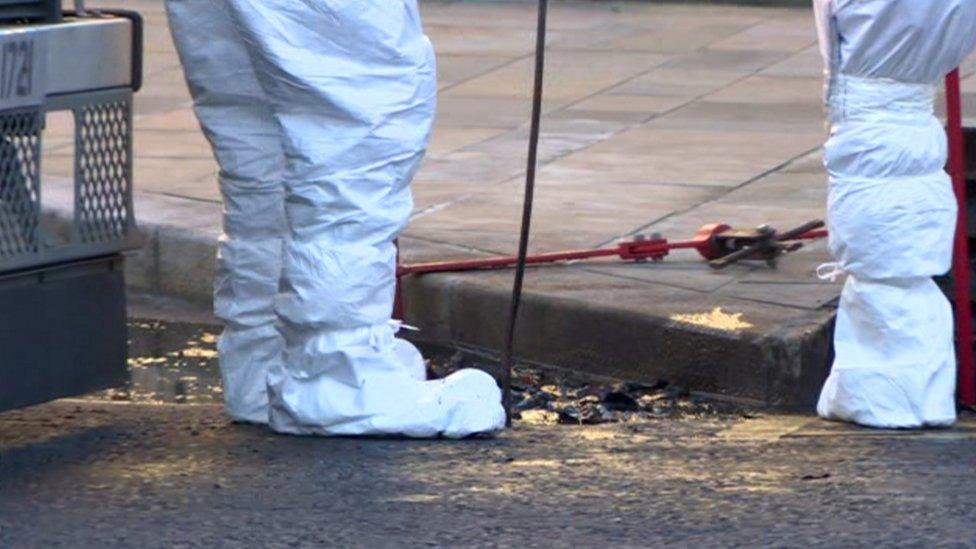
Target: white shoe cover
[
  {"x": 244, "y": 359},
  {"x": 388, "y": 401},
  {"x": 411, "y": 359},
  {"x": 895, "y": 365}
]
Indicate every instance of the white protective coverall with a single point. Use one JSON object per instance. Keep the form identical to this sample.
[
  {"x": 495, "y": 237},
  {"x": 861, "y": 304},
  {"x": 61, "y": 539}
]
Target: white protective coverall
[
  {"x": 319, "y": 112},
  {"x": 891, "y": 208}
]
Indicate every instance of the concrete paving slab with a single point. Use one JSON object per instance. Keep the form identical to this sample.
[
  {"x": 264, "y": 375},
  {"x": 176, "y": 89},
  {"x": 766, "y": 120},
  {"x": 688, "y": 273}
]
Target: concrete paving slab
[
  {"x": 453, "y": 68},
  {"x": 782, "y": 189},
  {"x": 174, "y": 120},
  {"x": 747, "y": 61},
  {"x": 767, "y": 89},
  {"x": 568, "y": 214},
  {"x": 561, "y": 137},
  {"x": 654, "y": 154},
  {"x": 434, "y": 196},
  {"x": 736, "y": 214},
  {"x": 448, "y": 139},
  {"x": 572, "y": 75},
  {"x": 784, "y": 34},
  {"x": 177, "y": 145},
  {"x": 470, "y": 166},
  {"x": 152, "y": 104},
  {"x": 592, "y": 37},
  {"x": 805, "y": 120},
  {"x": 193, "y": 178},
  {"x": 638, "y": 106},
  {"x": 454, "y": 110},
  {"x": 458, "y": 39},
  {"x": 686, "y": 34},
  {"x": 426, "y": 249},
  {"x": 806, "y": 63},
  {"x": 689, "y": 84},
  {"x": 810, "y": 163},
  {"x": 761, "y": 288}
]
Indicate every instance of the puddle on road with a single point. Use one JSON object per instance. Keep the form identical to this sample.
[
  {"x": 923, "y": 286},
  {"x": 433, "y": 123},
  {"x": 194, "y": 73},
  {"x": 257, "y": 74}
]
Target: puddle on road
[{"x": 169, "y": 363}]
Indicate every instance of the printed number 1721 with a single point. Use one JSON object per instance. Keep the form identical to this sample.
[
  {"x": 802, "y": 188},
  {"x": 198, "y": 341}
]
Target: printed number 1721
[{"x": 17, "y": 69}]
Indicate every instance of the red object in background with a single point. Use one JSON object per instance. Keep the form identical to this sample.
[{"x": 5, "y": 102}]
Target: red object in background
[
  {"x": 655, "y": 248},
  {"x": 960, "y": 263},
  {"x": 398, "y": 291},
  {"x": 711, "y": 241}
]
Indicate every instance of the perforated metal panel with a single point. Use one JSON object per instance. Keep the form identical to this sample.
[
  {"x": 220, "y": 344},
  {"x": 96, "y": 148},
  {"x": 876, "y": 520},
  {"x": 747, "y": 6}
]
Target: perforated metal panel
[
  {"x": 48, "y": 216},
  {"x": 103, "y": 166},
  {"x": 102, "y": 184},
  {"x": 20, "y": 150}
]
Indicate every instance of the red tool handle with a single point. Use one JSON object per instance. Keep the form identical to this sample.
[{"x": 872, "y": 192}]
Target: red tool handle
[{"x": 633, "y": 250}]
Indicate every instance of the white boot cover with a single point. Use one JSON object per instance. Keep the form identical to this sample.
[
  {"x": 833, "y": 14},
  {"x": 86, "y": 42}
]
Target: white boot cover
[
  {"x": 891, "y": 210},
  {"x": 352, "y": 86},
  {"x": 895, "y": 365}
]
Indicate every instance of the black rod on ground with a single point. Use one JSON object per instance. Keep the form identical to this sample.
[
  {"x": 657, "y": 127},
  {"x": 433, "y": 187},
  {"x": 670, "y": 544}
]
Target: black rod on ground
[{"x": 509, "y": 347}]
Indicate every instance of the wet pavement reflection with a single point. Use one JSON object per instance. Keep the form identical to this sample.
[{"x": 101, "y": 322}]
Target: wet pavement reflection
[{"x": 170, "y": 362}]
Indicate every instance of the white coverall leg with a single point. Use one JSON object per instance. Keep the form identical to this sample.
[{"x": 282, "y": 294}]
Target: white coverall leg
[
  {"x": 351, "y": 87},
  {"x": 891, "y": 209},
  {"x": 236, "y": 118}
]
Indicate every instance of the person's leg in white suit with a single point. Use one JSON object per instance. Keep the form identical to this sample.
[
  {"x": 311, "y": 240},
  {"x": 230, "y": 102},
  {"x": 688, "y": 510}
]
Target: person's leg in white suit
[
  {"x": 234, "y": 114},
  {"x": 352, "y": 88},
  {"x": 891, "y": 210}
]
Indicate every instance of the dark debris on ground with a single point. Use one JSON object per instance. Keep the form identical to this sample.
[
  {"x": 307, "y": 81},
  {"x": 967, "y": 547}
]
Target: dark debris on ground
[
  {"x": 543, "y": 396},
  {"x": 175, "y": 362}
]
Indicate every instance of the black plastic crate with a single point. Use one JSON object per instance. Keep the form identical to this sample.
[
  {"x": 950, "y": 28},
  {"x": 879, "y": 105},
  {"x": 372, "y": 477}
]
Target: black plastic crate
[{"x": 36, "y": 11}]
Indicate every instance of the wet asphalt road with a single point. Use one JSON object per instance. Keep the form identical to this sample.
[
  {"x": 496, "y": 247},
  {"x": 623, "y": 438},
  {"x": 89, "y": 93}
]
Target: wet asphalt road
[{"x": 101, "y": 474}]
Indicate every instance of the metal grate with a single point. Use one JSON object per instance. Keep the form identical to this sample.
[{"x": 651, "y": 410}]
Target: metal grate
[
  {"x": 103, "y": 221},
  {"x": 19, "y": 174},
  {"x": 103, "y": 167}
]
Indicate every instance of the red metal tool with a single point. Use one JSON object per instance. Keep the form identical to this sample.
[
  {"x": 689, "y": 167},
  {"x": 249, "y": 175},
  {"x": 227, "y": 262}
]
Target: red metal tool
[
  {"x": 764, "y": 243},
  {"x": 960, "y": 264},
  {"x": 713, "y": 242}
]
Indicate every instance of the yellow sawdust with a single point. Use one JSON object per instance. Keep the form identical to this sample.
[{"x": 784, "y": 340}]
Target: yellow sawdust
[
  {"x": 716, "y": 319},
  {"x": 195, "y": 352},
  {"x": 141, "y": 361},
  {"x": 539, "y": 417}
]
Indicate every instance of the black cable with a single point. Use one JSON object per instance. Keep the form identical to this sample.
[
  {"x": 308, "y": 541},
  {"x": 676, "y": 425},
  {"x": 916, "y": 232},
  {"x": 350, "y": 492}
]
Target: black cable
[{"x": 540, "y": 61}]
